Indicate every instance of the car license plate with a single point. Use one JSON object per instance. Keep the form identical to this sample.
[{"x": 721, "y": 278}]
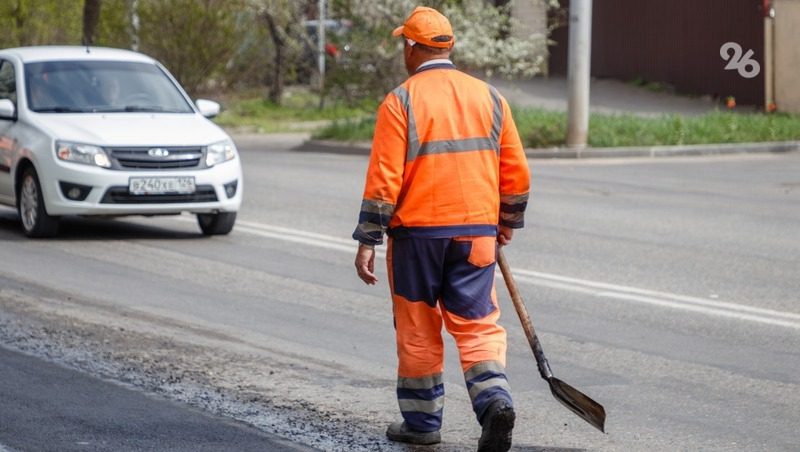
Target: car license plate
[{"x": 160, "y": 185}]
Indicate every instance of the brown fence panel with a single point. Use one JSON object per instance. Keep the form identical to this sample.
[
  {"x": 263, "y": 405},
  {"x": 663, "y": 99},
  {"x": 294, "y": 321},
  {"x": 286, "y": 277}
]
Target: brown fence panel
[{"x": 676, "y": 42}]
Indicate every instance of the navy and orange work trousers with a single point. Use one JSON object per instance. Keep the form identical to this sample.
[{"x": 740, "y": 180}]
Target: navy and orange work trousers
[{"x": 448, "y": 281}]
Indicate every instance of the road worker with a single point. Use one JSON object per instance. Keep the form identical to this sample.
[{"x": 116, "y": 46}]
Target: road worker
[{"x": 447, "y": 180}]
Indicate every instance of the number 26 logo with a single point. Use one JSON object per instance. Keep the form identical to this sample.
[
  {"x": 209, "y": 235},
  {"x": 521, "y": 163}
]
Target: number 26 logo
[{"x": 746, "y": 65}]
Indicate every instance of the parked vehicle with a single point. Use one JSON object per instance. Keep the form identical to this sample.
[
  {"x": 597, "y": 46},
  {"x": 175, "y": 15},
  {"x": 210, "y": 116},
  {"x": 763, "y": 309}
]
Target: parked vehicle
[{"x": 97, "y": 131}]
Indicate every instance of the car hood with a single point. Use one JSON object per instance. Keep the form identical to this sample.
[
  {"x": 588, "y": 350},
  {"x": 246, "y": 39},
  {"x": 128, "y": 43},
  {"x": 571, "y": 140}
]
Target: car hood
[{"x": 131, "y": 129}]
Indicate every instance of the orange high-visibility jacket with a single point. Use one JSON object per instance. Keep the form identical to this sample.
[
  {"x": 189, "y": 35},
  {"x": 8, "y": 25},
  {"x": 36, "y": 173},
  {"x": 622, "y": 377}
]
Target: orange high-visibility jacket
[{"x": 446, "y": 161}]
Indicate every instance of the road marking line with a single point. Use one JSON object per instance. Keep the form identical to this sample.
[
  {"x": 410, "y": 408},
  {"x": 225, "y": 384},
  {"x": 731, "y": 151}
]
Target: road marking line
[
  {"x": 613, "y": 288},
  {"x": 300, "y": 233},
  {"x": 593, "y": 288},
  {"x": 351, "y": 248},
  {"x": 782, "y": 319}
]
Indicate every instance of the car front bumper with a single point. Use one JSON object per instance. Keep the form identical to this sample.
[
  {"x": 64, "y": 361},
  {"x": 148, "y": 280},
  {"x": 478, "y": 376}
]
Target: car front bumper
[{"x": 109, "y": 193}]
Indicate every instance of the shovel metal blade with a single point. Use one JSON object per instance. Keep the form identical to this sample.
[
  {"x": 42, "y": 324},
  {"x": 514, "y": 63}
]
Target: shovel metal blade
[{"x": 579, "y": 403}]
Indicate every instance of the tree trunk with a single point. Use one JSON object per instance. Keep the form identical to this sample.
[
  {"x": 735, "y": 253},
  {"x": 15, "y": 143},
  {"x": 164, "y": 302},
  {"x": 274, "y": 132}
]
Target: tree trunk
[
  {"x": 20, "y": 17},
  {"x": 91, "y": 17},
  {"x": 133, "y": 18},
  {"x": 276, "y": 85}
]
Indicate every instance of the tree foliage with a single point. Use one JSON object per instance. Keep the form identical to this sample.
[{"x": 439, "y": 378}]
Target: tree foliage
[
  {"x": 484, "y": 43},
  {"x": 374, "y": 63},
  {"x": 282, "y": 21},
  {"x": 195, "y": 38},
  {"x": 115, "y": 26},
  {"x": 37, "y": 22},
  {"x": 218, "y": 44},
  {"x": 484, "y": 40}
]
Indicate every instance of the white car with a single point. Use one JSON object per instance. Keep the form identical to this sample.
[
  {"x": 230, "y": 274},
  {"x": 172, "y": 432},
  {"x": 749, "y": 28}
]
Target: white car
[{"x": 96, "y": 131}]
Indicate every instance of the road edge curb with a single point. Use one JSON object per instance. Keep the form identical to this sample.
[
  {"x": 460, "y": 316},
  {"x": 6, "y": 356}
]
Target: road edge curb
[{"x": 777, "y": 147}]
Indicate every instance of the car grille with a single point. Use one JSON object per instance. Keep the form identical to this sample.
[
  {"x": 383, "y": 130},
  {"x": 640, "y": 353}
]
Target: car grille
[
  {"x": 140, "y": 158},
  {"x": 120, "y": 195}
]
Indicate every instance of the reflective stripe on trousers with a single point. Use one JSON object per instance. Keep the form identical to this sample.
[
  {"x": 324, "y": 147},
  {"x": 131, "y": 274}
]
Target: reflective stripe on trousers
[
  {"x": 486, "y": 383},
  {"x": 421, "y": 401},
  {"x": 448, "y": 282}
]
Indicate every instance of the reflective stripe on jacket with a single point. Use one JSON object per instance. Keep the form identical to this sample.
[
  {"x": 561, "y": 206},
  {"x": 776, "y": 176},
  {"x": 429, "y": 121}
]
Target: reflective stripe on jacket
[{"x": 446, "y": 160}]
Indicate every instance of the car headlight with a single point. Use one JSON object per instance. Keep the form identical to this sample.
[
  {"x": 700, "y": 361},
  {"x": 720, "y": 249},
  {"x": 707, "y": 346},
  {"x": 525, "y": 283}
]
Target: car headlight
[
  {"x": 82, "y": 153},
  {"x": 220, "y": 152}
]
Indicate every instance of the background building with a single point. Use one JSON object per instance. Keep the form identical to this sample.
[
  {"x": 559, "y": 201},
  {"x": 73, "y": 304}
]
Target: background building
[
  {"x": 787, "y": 55},
  {"x": 677, "y": 43}
]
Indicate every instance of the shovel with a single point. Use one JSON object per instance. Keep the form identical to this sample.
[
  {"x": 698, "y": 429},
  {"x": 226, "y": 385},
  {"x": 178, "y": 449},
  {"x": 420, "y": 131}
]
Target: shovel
[{"x": 576, "y": 401}]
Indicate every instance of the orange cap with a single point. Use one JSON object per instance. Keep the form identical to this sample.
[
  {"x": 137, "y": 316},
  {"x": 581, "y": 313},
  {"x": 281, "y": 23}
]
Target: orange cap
[{"x": 428, "y": 27}]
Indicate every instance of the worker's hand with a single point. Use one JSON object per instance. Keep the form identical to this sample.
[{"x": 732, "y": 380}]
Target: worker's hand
[
  {"x": 504, "y": 235},
  {"x": 365, "y": 264}
]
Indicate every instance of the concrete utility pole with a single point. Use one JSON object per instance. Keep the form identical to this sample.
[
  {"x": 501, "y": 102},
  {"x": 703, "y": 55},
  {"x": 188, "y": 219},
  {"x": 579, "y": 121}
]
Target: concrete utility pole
[
  {"x": 769, "y": 56},
  {"x": 321, "y": 44},
  {"x": 579, "y": 71}
]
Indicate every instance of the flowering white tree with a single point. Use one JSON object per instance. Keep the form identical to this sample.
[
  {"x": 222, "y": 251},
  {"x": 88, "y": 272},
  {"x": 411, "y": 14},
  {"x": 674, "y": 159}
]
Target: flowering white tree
[
  {"x": 483, "y": 33},
  {"x": 484, "y": 40}
]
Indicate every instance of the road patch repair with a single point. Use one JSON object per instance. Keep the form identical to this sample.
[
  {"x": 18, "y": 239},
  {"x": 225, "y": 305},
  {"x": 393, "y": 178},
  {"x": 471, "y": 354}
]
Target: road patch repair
[
  {"x": 145, "y": 353},
  {"x": 47, "y": 407}
]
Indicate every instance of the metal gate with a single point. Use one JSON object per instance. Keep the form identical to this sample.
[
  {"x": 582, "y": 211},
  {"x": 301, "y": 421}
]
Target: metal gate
[{"x": 676, "y": 42}]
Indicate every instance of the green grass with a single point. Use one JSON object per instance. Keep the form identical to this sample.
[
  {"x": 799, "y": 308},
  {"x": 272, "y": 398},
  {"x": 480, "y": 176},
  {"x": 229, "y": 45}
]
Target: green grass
[
  {"x": 545, "y": 129},
  {"x": 548, "y": 129},
  {"x": 348, "y": 130},
  {"x": 299, "y": 111}
]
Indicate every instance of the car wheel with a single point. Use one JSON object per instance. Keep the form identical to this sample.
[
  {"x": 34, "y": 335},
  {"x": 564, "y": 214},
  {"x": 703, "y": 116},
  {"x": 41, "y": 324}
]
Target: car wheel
[
  {"x": 216, "y": 223},
  {"x": 30, "y": 205}
]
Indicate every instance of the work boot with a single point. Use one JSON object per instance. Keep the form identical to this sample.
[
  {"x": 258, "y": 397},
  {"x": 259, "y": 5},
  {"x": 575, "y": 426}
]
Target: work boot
[
  {"x": 399, "y": 431},
  {"x": 498, "y": 422}
]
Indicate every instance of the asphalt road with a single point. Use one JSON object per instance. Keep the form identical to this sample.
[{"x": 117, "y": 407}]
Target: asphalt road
[
  {"x": 665, "y": 289},
  {"x": 49, "y": 408}
]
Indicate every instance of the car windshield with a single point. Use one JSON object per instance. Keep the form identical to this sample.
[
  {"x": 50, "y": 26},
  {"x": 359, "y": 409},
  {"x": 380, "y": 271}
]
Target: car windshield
[{"x": 101, "y": 86}]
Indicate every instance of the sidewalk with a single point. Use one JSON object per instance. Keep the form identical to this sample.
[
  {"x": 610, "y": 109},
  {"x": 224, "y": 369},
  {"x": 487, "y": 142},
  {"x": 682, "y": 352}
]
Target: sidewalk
[{"x": 607, "y": 96}]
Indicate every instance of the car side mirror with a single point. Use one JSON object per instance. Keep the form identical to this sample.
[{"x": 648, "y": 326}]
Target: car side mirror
[
  {"x": 207, "y": 108},
  {"x": 8, "y": 110}
]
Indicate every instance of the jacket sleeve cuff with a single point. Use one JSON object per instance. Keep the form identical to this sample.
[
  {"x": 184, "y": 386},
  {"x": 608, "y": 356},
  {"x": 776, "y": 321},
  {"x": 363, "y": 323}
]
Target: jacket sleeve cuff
[
  {"x": 512, "y": 210},
  {"x": 369, "y": 239}
]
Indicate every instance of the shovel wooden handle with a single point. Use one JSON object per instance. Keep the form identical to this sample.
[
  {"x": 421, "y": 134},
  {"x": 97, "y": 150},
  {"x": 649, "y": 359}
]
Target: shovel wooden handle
[
  {"x": 522, "y": 312},
  {"x": 576, "y": 401}
]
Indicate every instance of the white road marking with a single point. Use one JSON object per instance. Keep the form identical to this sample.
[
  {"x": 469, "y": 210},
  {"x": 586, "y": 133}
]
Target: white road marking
[
  {"x": 593, "y": 288},
  {"x": 731, "y": 310},
  {"x": 607, "y": 288},
  {"x": 298, "y": 236},
  {"x": 351, "y": 248}
]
